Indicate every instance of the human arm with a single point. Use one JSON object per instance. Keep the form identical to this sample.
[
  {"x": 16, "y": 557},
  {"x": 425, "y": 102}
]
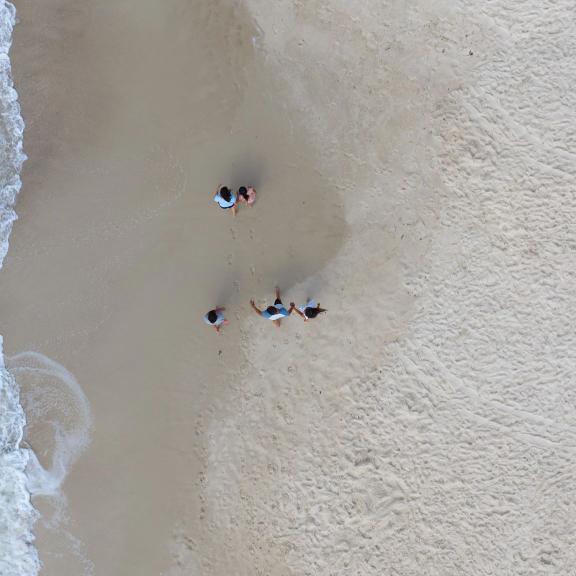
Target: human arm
[
  {"x": 256, "y": 309},
  {"x": 293, "y": 308}
]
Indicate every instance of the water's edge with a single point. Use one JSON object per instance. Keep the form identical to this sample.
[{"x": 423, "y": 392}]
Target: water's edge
[{"x": 18, "y": 556}]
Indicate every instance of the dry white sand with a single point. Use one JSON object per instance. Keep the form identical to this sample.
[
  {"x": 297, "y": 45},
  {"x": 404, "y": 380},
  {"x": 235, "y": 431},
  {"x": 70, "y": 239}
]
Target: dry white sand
[{"x": 425, "y": 424}]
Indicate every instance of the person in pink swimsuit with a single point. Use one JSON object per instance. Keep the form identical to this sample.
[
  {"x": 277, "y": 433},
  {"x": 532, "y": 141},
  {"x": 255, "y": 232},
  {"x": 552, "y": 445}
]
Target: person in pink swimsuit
[{"x": 247, "y": 195}]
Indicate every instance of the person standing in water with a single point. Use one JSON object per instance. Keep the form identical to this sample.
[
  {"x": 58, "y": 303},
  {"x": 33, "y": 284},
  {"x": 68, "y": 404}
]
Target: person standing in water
[
  {"x": 274, "y": 313},
  {"x": 216, "y": 318},
  {"x": 226, "y": 199},
  {"x": 309, "y": 311},
  {"x": 247, "y": 195}
]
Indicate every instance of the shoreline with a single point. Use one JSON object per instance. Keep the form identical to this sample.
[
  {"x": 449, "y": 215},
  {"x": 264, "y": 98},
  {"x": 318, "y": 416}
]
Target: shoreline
[{"x": 120, "y": 251}]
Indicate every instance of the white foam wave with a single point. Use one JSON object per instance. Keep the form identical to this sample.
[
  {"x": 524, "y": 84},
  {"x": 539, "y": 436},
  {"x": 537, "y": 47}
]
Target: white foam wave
[
  {"x": 11, "y": 131},
  {"x": 18, "y": 557},
  {"x": 58, "y": 428},
  {"x": 56, "y": 406}
]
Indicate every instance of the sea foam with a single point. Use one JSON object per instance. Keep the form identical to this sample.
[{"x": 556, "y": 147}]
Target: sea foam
[
  {"x": 18, "y": 557},
  {"x": 11, "y": 131}
]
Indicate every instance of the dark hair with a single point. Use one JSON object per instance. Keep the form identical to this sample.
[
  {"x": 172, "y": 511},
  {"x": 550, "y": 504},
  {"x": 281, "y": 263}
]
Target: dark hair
[
  {"x": 243, "y": 191},
  {"x": 313, "y": 312},
  {"x": 212, "y": 316},
  {"x": 272, "y": 310},
  {"x": 226, "y": 193}
]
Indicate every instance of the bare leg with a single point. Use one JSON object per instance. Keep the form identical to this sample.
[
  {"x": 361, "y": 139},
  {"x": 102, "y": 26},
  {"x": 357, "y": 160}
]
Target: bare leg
[{"x": 277, "y": 323}]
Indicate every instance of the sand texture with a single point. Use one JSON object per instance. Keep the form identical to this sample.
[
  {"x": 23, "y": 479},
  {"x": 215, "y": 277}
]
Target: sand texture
[{"x": 416, "y": 176}]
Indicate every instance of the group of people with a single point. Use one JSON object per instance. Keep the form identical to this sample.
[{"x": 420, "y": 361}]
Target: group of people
[
  {"x": 229, "y": 200},
  {"x": 278, "y": 311},
  {"x": 275, "y": 313}
]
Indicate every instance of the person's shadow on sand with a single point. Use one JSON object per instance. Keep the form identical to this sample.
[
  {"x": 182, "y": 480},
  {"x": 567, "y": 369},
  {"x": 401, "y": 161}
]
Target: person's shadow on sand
[{"x": 247, "y": 172}]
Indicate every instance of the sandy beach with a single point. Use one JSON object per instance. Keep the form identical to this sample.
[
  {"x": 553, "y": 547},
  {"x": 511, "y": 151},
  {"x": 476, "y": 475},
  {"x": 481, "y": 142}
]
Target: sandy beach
[
  {"x": 414, "y": 175},
  {"x": 128, "y": 251}
]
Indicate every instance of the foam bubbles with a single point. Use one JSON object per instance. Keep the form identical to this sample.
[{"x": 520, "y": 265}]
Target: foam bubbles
[
  {"x": 18, "y": 557},
  {"x": 41, "y": 396},
  {"x": 11, "y": 131},
  {"x": 59, "y": 420}
]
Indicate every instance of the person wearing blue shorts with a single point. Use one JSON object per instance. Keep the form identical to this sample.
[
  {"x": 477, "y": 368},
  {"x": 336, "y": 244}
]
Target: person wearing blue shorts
[{"x": 275, "y": 313}]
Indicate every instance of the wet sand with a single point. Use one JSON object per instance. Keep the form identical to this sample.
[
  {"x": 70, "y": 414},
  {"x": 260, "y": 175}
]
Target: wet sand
[{"x": 134, "y": 113}]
